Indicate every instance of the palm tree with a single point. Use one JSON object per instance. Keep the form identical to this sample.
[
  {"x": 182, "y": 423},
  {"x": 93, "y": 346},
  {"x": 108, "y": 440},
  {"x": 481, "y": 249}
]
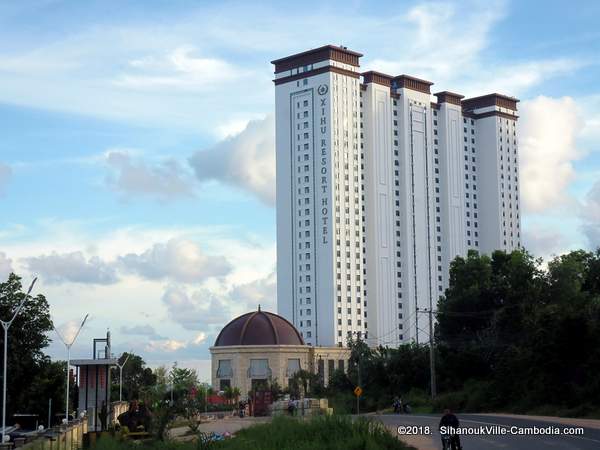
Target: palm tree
[
  {"x": 235, "y": 393},
  {"x": 228, "y": 391}
]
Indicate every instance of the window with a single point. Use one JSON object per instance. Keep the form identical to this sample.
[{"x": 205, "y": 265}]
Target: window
[
  {"x": 259, "y": 368},
  {"x": 224, "y": 369},
  {"x": 293, "y": 366}
]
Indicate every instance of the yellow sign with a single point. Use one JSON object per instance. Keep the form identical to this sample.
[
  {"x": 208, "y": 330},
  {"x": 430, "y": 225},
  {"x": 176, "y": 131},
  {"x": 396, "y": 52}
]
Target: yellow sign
[{"x": 358, "y": 391}]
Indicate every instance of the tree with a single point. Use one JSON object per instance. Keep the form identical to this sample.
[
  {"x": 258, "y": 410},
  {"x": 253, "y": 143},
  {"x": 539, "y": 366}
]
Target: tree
[
  {"x": 137, "y": 378},
  {"x": 182, "y": 378},
  {"x": 27, "y": 338}
]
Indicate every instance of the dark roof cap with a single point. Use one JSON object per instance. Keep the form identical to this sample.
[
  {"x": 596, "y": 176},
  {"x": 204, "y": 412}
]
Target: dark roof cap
[
  {"x": 334, "y": 52},
  {"x": 259, "y": 328}
]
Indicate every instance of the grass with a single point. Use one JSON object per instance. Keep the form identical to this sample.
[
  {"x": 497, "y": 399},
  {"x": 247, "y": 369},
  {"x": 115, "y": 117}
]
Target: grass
[{"x": 285, "y": 433}]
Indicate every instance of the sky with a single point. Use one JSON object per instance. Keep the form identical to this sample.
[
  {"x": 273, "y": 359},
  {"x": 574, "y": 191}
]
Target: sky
[{"x": 137, "y": 160}]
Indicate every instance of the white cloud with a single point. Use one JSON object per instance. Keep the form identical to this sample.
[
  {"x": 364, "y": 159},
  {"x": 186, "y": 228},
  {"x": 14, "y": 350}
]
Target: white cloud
[
  {"x": 139, "y": 330},
  {"x": 68, "y": 330},
  {"x": 544, "y": 242},
  {"x": 179, "y": 259},
  {"x": 197, "y": 311},
  {"x": 166, "y": 345},
  {"x": 179, "y": 69},
  {"x": 166, "y": 180},
  {"x": 590, "y": 215},
  {"x": 547, "y": 149},
  {"x": 450, "y": 36},
  {"x": 5, "y": 266},
  {"x": 199, "y": 339},
  {"x": 72, "y": 267},
  {"x": 262, "y": 291},
  {"x": 515, "y": 78},
  {"x": 231, "y": 128},
  {"x": 5, "y": 174},
  {"x": 454, "y": 37},
  {"x": 246, "y": 160}
]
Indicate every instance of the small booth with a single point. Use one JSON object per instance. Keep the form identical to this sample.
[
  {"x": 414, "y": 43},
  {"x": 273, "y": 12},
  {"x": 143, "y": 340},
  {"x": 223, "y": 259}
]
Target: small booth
[{"x": 93, "y": 376}]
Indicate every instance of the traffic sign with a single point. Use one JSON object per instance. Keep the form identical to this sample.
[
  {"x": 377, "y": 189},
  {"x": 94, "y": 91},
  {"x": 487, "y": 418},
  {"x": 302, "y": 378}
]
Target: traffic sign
[{"x": 358, "y": 391}]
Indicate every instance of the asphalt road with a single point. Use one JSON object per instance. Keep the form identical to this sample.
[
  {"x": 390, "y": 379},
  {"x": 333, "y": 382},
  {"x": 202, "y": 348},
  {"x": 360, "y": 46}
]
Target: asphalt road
[{"x": 590, "y": 439}]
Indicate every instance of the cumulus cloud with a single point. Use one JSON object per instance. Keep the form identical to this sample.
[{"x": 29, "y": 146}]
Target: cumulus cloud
[
  {"x": 246, "y": 160},
  {"x": 549, "y": 128},
  {"x": 258, "y": 292},
  {"x": 591, "y": 216},
  {"x": 68, "y": 330},
  {"x": 196, "y": 311},
  {"x": 164, "y": 181},
  {"x": 5, "y": 174},
  {"x": 209, "y": 309},
  {"x": 72, "y": 267},
  {"x": 199, "y": 339},
  {"x": 179, "y": 259},
  {"x": 544, "y": 241},
  {"x": 165, "y": 345},
  {"x": 173, "y": 345},
  {"x": 5, "y": 266}
]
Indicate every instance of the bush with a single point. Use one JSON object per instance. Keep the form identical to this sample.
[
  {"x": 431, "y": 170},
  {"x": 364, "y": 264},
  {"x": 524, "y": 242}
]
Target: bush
[
  {"x": 324, "y": 432},
  {"x": 455, "y": 401},
  {"x": 285, "y": 433}
]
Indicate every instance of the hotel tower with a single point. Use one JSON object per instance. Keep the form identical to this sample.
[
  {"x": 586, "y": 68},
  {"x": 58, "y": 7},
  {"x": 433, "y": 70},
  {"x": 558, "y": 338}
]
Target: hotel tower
[{"x": 379, "y": 188}]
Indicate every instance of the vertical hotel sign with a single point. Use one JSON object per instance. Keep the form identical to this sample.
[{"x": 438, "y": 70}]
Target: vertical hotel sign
[{"x": 323, "y": 165}]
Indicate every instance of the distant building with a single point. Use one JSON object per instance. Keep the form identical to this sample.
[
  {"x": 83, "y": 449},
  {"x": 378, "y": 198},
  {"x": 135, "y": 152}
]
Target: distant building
[
  {"x": 378, "y": 190},
  {"x": 93, "y": 379},
  {"x": 260, "y": 346}
]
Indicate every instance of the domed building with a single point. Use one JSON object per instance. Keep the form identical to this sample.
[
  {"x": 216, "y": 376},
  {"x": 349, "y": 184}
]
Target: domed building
[{"x": 260, "y": 346}]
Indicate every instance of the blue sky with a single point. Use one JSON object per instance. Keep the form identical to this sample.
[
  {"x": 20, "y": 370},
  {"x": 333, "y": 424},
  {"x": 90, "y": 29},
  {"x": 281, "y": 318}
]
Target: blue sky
[{"x": 137, "y": 150}]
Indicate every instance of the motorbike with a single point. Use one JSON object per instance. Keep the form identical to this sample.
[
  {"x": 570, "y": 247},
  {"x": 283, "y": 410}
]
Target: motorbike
[{"x": 446, "y": 444}]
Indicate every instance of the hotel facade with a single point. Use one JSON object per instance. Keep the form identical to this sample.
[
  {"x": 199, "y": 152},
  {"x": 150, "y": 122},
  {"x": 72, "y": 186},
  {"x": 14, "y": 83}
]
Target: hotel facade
[{"x": 379, "y": 188}]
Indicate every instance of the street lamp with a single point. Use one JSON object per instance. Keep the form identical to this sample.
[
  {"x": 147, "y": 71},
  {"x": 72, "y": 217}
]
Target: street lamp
[
  {"x": 6, "y": 326},
  {"x": 120, "y": 366},
  {"x": 68, "y": 346}
]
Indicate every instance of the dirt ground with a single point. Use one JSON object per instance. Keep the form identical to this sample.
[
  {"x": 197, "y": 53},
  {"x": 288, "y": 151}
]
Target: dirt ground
[{"x": 226, "y": 424}]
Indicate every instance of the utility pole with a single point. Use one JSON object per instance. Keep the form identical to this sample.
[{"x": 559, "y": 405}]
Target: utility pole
[
  {"x": 431, "y": 350},
  {"x": 120, "y": 366},
  {"x": 6, "y": 326},
  {"x": 432, "y": 356},
  {"x": 68, "y": 345},
  {"x": 417, "y": 325}
]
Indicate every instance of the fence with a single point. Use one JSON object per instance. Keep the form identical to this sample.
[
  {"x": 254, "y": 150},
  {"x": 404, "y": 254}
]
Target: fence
[{"x": 63, "y": 437}]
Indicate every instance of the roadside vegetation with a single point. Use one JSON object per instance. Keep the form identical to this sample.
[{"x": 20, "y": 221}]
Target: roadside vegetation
[
  {"x": 511, "y": 336},
  {"x": 284, "y": 433}
]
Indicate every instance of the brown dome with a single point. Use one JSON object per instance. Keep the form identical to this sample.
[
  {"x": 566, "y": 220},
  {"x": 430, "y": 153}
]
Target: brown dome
[{"x": 259, "y": 328}]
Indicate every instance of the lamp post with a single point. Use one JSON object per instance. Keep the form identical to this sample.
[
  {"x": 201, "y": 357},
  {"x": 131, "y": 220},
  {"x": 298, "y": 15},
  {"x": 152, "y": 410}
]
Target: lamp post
[
  {"x": 120, "y": 366},
  {"x": 68, "y": 346},
  {"x": 6, "y": 326}
]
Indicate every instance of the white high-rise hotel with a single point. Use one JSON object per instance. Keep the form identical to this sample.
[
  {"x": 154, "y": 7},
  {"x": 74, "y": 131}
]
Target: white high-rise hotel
[{"x": 378, "y": 189}]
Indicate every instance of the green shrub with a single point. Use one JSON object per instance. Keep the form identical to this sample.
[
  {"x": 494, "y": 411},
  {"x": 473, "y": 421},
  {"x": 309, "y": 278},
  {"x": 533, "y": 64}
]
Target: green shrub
[
  {"x": 455, "y": 401},
  {"x": 285, "y": 433},
  {"x": 318, "y": 433}
]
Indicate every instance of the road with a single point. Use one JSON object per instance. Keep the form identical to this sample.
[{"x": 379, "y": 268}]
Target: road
[{"x": 588, "y": 441}]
